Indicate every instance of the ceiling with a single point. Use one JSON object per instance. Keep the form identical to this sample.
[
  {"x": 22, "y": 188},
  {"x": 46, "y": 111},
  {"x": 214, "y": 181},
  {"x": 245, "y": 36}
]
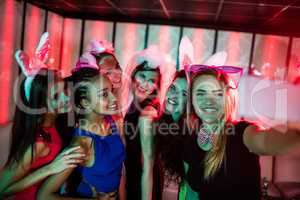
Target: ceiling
[{"x": 262, "y": 16}]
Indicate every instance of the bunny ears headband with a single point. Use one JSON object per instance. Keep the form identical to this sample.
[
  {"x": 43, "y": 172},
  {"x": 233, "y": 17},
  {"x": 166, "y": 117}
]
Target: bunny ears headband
[
  {"x": 151, "y": 55},
  {"x": 88, "y": 59},
  {"x": 214, "y": 63},
  {"x": 30, "y": 66}
]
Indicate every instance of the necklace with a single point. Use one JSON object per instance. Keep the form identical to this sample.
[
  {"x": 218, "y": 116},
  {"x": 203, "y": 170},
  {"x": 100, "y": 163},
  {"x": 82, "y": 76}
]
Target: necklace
[{"x": 205, "y": 139}]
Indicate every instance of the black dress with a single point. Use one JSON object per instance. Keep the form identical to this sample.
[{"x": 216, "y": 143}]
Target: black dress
[
  {"x": 238, "y": 177},
  {"x": 133, "y": 162},
  {"x": 168, "y": 140}
]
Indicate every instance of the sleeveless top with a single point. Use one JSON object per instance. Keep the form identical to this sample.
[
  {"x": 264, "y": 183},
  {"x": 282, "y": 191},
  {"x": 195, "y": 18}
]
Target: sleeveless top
[
  {"x": 105, "y": 174},
  {"x": 53, "y": 141},
  {"x": 133, "y": 162},
  {"x": 238, "y": 177}
]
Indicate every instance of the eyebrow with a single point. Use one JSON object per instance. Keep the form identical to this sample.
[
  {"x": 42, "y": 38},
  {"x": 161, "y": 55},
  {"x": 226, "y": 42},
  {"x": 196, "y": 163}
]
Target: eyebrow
[
  {"x": 218, "y": 90},
  {"x": 201, "y": 90}
]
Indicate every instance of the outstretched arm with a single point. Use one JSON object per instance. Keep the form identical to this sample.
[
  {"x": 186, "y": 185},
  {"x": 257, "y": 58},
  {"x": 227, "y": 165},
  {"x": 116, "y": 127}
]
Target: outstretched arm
[{"x": 272, "y": 141}]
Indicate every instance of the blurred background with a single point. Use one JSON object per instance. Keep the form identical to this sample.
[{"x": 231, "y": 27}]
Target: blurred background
[{"x": 262, "y": 36}]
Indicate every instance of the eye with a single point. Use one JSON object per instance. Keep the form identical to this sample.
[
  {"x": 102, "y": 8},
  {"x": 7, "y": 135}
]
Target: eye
[
  {"x": 151, "y": 81},
  {"x": 173, "y": 88},
  {"x": 219, "y": 94},
  {"x": 200, "y": 94},
  {"x": 103, "y": 94},
  {"x": 142, "y": 76},
  {"x": 109, "y": 72}
]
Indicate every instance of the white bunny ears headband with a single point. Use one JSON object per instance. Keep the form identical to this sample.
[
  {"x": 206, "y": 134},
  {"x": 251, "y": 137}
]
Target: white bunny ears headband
[
  {"x": 30, "y": 66},
  {"x": 216, "y": 62}
]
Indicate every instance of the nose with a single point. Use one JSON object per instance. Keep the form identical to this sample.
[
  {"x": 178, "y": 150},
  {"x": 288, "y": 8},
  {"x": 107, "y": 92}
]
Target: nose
[
  {"x": 210, "y": 100},
  {"x": 112, "y": 98},
  {"x": 116, "y": 76}
]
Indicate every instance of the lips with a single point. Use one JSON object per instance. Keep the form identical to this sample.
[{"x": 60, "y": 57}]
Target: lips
[
  {"x": 112, "y": 107},
  {"x": 172, "y": 101},
  {"x": 209, "y": 109},
  {"x": 142, "y": 90}
]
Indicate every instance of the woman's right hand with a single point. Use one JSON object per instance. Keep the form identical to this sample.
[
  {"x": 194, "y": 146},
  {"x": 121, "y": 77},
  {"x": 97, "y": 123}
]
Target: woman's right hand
[{"x": 68, "y": 158}]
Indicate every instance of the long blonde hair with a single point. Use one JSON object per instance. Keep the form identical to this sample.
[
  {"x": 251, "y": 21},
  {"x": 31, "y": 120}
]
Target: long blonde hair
[{"x": 217, "y": 155}]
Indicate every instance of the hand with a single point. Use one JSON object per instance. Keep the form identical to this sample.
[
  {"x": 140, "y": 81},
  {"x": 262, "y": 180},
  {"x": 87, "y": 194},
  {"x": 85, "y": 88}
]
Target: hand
[
  {"x": 69, "y": 158},
  {"x": 294, "y": 125}
]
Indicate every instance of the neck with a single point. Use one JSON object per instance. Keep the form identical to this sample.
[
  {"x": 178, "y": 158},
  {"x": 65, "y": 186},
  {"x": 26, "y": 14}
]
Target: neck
[
  {"x": 214, "y": 127},
  {"x": 175, "y": 116},
  {"x": 49, "y": 120},
  {"x": 140, "y": 99},
  {"x": 93, "y": 123}
]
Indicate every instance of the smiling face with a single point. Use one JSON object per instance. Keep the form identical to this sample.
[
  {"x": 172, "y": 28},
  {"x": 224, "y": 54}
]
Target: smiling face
[
  {"x": 144, "y": 83},
  {"x": 59, "y": 100},
  {"x": 109, "y": 66},
  {"x": 176, "y": 96},
  {"x": 102, "y": 99},
  {"x": 208, "y": 98}
]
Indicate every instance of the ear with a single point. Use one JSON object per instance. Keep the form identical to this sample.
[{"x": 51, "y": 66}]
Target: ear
[
  {"x": 43, "y": 49},
  {"x": 218, "y": 59},
  {"x": 23, "y": 61},
  {"x": 85, "y": 104},
  {"x": 186, "y": 52}
]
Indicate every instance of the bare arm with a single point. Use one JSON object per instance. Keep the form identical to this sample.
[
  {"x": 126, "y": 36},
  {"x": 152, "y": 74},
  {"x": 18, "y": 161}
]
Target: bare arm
[
  {"x": 50, "y": 187},
  {"x": 146, "y": 137},
  {"x": 14, "y": 174},
  {"x": 271, "y": 142},
  {"x": 17, "y": 177},
  {"x": 122, "y": 188}
]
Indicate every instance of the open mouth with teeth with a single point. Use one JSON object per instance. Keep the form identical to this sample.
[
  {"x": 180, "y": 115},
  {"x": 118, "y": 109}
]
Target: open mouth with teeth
[
  {"x": 142, "y": 90},
  {"x": 112, "y": 107},
  {"x": 172, "y": 101},
  {"x": 209, "y": 109}
]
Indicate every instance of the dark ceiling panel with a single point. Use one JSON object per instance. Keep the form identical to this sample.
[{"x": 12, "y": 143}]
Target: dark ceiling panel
[{"x": 272, "y": 16}]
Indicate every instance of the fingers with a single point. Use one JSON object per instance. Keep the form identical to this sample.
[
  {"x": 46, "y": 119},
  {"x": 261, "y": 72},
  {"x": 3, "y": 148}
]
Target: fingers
[
  {"x": 73, "y": 161},
  {"x": 70, "y": 150},
  {"x": 74, "y": 155}
]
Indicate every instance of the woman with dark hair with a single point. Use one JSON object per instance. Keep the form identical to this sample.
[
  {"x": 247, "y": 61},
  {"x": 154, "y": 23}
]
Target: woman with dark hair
[
  {"x": 169, "y": 130},
  {"x": 35, "y": 141},
  {"x": 170, "y": 124},
  {"x": 97, "y": 133},
  {"x": 144, "y": 83},
  {"x": 107, "y": 62}
]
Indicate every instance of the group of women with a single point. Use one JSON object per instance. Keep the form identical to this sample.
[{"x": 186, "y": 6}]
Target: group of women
[{"x": 126, "y": 142}]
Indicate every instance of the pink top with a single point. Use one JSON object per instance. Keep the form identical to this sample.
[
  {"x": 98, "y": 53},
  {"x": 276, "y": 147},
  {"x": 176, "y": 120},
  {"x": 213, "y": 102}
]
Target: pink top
[{"x": 53, "y": 141}]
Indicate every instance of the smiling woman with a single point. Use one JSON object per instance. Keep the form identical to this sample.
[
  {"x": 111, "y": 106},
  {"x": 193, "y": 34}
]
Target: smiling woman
[
  {"x": 98, "y": 135},
  {"x": 141, "y": 173}
]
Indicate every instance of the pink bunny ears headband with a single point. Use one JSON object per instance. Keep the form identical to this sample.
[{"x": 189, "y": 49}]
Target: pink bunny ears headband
[
  {"x": 30, "y": 66},
  {"x": 215, "y": 63},
  {"x": 88, "y": 59},
  {"x": 151, "y": 55}
]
